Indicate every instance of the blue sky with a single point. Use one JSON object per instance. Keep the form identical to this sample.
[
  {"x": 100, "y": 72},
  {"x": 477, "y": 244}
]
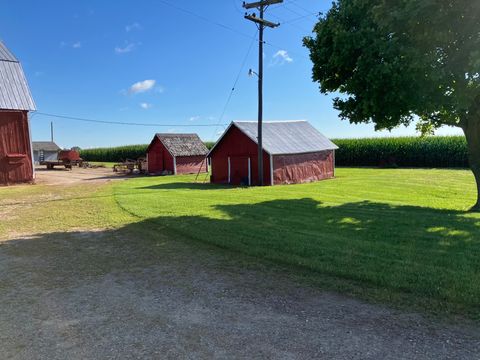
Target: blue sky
[{"x": 169, "y": 62}]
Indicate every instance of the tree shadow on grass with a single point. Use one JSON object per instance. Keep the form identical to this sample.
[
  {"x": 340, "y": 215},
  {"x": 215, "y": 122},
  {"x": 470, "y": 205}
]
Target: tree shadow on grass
[{"x": 426, "y": 253}]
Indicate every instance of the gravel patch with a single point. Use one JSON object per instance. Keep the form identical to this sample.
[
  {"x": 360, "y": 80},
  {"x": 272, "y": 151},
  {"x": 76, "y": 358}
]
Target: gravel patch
[{"x": 120, "y": 295}]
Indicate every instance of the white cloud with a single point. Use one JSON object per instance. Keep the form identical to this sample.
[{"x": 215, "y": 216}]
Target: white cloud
[
  {"x": 142, "y": 86},
  {"x": 194, "y": 118},
  {"x": 133, "y": 26},
  {"x": 75, "y": 45},
  {"x": 281, "y": 57},
  {"x": 126, "y": 49},
  {"x": 145, "y": 105}
]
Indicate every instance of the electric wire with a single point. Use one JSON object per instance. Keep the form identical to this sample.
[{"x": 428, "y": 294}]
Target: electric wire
[{"x": 74, "y": 118}]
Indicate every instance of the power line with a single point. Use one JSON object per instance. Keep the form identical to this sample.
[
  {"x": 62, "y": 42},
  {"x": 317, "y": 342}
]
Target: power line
[
  {"x": 242, "y": 66},
  {"x": 201, "y": 17},
  {"x": 120, "y": 122},
  {"x": 219, "y": 24},
  {"x": 261, "y": 24}
]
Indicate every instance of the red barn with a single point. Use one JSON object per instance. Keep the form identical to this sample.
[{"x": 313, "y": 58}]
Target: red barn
[
  {"x": 16, "y": 165},
  {"x": 293, "y": 152},
  {"x": 177, "y": 154}
]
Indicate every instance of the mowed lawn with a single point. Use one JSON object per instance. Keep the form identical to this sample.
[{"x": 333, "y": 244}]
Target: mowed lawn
[{"x": 398, "y": 236}]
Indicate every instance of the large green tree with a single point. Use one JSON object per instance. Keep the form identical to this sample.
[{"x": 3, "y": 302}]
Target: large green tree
[{"x": 394, "y": 62}]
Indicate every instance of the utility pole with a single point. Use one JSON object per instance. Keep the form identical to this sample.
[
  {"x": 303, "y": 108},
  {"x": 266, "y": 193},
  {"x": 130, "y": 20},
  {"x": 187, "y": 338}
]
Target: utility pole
[
  {"x": 261, "y": 6},
  {"x": 51, "y": 130}
]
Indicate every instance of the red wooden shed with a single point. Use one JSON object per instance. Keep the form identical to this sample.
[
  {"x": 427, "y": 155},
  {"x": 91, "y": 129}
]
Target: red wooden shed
[
  {"x": 293, "y": 152},
  {"x": 177, "y": 154},
  {"x": 16, "y": 165}
]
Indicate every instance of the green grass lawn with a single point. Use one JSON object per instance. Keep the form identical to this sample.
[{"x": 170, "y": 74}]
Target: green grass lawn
[{"x": 396, "y": 236}]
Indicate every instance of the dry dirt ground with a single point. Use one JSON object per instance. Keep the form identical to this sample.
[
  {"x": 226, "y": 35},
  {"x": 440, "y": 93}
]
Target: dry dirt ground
[
  {"x": 133, "y": 293},
  {"x": 62, "y": 176}
]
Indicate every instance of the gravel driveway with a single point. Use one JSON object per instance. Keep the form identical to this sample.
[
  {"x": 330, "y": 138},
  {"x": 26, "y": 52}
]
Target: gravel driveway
[{"x": 120, "y": 295}]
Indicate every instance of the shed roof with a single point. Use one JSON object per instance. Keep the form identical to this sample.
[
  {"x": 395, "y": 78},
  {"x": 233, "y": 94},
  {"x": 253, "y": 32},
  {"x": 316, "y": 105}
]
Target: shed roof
[
  {"x": 285, "y": 137},
  {"x": 14, "y": 91},
  {"x": 182, "y": 144},
  {"x": 45, "y": 146}
]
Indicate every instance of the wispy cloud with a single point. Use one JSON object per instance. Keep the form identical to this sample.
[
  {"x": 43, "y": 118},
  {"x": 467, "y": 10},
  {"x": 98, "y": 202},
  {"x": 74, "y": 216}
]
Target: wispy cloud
[
  {"x": 281, "y": 57},
  {"x": 125, "y": 49},
  {"x": 142, "y": 86},
  {"x": 75, "y": 45},
  {"x": 198, "y": 117},
  {"x": 159, "y": 89},
  {"x": 145, "y": 105},
  {"x": 133, "y": 26}
]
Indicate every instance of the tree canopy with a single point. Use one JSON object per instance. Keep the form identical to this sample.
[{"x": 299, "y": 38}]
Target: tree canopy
[{"x": 396, "y": 61}]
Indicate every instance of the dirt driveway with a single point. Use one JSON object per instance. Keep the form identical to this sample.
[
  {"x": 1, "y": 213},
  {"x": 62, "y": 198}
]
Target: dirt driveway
[
  {"x": 135, "y": 293},
  {"x": 62, "y": 176}
]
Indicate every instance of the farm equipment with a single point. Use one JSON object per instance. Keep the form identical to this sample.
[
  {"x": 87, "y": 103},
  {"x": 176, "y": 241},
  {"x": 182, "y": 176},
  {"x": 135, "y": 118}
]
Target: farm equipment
[
  {"x": 130, "y": 166},
  {"x": 66, "y": 158}
]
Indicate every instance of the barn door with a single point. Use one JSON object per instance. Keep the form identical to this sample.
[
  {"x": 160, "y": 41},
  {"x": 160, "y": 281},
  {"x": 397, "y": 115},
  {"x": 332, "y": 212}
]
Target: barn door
[{"x": 239, "y": 170}]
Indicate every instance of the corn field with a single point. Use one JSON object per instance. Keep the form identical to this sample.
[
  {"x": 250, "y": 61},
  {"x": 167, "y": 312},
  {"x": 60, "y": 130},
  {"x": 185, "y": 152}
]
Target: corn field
[
  {"x": 114, "y": 154},
  {"x": 428, "y": 152}
]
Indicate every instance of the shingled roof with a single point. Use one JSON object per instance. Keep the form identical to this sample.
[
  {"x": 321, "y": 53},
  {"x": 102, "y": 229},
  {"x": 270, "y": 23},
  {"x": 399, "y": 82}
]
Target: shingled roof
[
  {"x": 14, "y": 91},
  {"x": 285, "y": 137},
  {"x": 183, "y": 144}
]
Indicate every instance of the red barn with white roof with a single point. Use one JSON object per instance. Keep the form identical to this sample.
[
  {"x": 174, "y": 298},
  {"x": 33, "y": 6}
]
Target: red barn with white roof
[
  {"x": 293, "y": 152},
  {"x": 16, "y": 165}
]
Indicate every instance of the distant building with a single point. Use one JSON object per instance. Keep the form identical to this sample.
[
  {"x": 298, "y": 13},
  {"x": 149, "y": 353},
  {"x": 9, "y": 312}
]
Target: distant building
[
  {"x": 45, "y": 151},
  {"x": 16, "y": 165},
  {"x": 293, "y": 152},
  {"x": 176, "y": 154}
]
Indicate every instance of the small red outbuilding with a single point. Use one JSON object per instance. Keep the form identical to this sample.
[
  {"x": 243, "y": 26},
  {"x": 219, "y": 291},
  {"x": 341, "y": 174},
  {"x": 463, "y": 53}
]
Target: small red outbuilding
[
  {"x": 177, "y": 154},
  {"x": 16, "y": 165},
  {"x": 293, "y": 152}
]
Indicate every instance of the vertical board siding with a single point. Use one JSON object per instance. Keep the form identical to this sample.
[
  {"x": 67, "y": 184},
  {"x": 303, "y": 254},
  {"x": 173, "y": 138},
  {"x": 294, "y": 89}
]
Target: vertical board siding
[
  {"x": 15, "y": 139},
  {"x": 235, "y": 144},
  {"x": 191, "y": 164},
  {"x": 159, "y": 159}
]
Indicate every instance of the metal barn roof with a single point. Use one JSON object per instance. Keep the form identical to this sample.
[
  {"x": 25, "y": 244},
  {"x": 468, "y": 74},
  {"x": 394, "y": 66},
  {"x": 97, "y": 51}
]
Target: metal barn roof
[
  {"x": 183, "y": 144},
  {"x": 286, "y": 137},
  {"x": 14, "y": 91},
  {"x": 45, "y": 146}
]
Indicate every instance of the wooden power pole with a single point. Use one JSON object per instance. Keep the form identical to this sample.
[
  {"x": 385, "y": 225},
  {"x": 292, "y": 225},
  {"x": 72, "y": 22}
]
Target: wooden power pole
[{"x": 261, "y": 6}]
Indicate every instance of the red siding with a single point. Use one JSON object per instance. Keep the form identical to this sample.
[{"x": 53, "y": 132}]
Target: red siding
[
  {"x": 15, "y": 140},
  {"x": 301, "y": 168},
  {"x": 191, "y": 164},
  {"x": 239, "y": 147},
  {"x": 159, "y": 159}
]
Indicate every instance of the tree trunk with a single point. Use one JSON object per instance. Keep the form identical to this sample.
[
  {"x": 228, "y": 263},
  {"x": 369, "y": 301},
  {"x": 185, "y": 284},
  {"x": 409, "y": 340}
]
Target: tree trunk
[{"x": 471, "y": 128}]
